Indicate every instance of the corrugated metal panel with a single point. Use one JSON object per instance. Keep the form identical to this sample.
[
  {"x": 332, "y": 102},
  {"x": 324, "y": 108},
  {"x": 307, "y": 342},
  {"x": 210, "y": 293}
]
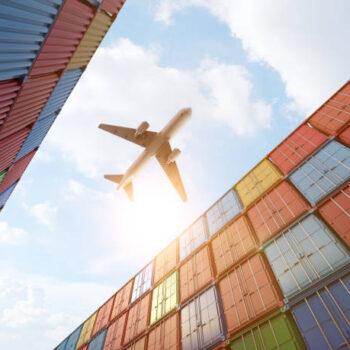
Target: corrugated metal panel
[
  {"x": 323, "y": 318},
  {"x": 233, "y": 244},
  {"x": 333, "y": 114},
  {"x": 304, "y": 254},
  {"x": 201, "y": 322},
  {"x": 36, "y": 136},
  {"x": 224, "y": 210},
  {"x": 142, "y": 282},
  {"x": 86, "y": 331},
  {"x": 73, "y": 339},
  {"x": 296, "y": 147},
  {"x": 137, "y": 319},
  {"x": 165, "y": 336},
  {"x": 103, "y": 316},
  {"x": 321, "y": 174},
  {"x": 165, "y": 261},
  {"x": 345, "y": 136},
  {"x": 62, "y": 345},
  {"x": 257, "y": 181},
  {"x": 276, "y": 210},
  {"x": 115, "y": 332},
  {"x": 122, "y": 299},
  {"x": 31, "y": 99},
  {"x": 278, "y": 331},
  {"x": 64, "y": 37},
  {"x": 336, "y": 212},
  {"x": 195, "y": 274},
  {"x": 248, "y": 293},
  {"x": 165, "y": 297},
  {"x": 10, "y": 146},
  {"x": 138, "y": 345},
  {"x": 8, "y": 92},
  {"x": 16, "y": 171},
  {"x": 4, "y": 196},
  {"x": 3, "y": 174},
  {"x": 98, "y": 342},
  {"x": 112, "y": 6},
  {"x": 23, "y": 28},
  {"x": 91, "y": 40}
]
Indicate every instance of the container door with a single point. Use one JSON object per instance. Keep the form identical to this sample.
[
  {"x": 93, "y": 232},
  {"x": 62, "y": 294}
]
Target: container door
[{"x": 189, "y": 330}]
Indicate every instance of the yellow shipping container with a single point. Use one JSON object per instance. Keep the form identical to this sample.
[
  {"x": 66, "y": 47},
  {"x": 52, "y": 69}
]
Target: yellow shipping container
[
  {"x": 86, "y": 331},
  {"x": 257, "y": 181},
  {"x": 90, "y": 41}
]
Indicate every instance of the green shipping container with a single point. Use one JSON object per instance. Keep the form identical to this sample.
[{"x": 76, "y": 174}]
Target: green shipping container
[
  {"x": 3, "y": 174},
  {"x": 278, "y": 331}
]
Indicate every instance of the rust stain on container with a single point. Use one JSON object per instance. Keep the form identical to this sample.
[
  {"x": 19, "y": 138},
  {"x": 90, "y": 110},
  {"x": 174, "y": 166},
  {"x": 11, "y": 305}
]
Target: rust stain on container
[
  {"x": 344, "y": 137},
  {"x": 103, "y": 316},
  {"x": 165, "y": 261},
  {"x": 115, "y": 332},
  {"x": 8, "y": 92},
  {"x": 112, "y": 6},
  {"x": 138, "y": 345},
  {"x": 233, "y": 244},
  {"x": 249, "y": 292},
  {"x": 276, "y": 210},
  {"x": 122, "y": 299}
]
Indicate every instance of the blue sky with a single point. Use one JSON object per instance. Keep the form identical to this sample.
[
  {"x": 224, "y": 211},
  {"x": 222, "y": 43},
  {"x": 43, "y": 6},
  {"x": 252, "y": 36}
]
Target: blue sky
[{"x": 251, "y": 71}]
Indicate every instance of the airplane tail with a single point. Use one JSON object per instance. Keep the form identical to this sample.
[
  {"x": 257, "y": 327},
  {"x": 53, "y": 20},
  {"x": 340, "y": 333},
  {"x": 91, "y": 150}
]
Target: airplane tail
[
  {"x": 128, "y": 188},
  {"x": 114, "y": 178}
]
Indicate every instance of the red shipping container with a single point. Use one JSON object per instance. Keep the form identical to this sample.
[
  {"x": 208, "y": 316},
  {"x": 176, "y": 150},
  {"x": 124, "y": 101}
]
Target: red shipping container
[
  {"x": 103, "y": 316},
  {"x": 30, "y": 101},
  {"x": 8, "y": 92},
  {"x": 10, "y": 146},
  {"x": 112, "y": 6},
  {"x": 276, "y": 210},
  {"x": 334, "y": 114},
  {"x": 115, "y": 332},
  {"x": 122, "y": 299},
  {"x": 195, "y": 274},
  {"x": 248, "y": 293},
  {"x": 233, "y": 244},
  {"x": 16, "y": 171},
  {"x": 296, "y": 147},
  {"x": 166, "y": 335},
  {"x": 336, "y": 212},
  {"x": 165, "y": 261},
  {"x": 345, "y": 137},
  {"x": 138, "y": 345},
  {"x": 137, "y": 318}
]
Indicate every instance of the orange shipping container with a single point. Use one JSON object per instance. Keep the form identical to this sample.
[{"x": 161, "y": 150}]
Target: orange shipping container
[
  {"x": 165, "y": 261},
  {"x": 122, "y": 299},
  {"x": 233, "y": 244},
  {"x": 344, "y": 137},
  {"x": 103, "y": 316},
  {"x": 138, "y": 345},
  {"x": 115, "y": 332},
  {"x": 137, "y": 319},
  {"x": 248, "y": 293},
  {"x": 166, "y": 335},
  {"x": 112, "y": 6}
]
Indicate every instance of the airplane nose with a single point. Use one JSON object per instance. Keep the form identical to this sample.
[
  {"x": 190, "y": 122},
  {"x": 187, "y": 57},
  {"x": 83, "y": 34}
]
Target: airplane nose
[{"x": 187, "y": 112}]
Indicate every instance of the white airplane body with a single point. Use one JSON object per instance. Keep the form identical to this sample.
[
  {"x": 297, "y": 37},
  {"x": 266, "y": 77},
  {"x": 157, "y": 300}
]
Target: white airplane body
[{"x": 156, "y": 144}]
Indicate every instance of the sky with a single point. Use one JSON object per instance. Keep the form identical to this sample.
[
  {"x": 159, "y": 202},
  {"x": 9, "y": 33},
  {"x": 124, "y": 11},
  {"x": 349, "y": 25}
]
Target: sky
[{"x": 251, "y": 70}]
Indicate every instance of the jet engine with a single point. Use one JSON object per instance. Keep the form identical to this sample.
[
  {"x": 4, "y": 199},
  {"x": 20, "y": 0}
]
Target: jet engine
[
  {"x": 173, "y": 155},
  {"x": 141, "y": 129}
]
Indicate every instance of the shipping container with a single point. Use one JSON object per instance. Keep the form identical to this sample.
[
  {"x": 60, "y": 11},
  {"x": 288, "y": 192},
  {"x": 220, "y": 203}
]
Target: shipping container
[
  {"x": 202, "y": 323},
  {"x": 166, "y": 335},
  {"x": 23, "y": 29},
  {"x": 233, "y": 244},
  {"x": 112, "y": 6},
  {"x": 302, "y": 142},
  {"x": 303, "y": 254},
  {"x": 3, "y": 174},
  {"x": 323, "y": 172},
  {"x": 98, "y": 342},
  {"x": 165, "y": 262},
  {"x": 249, "y": 292},
  {"x": 336, "y": 212},
  {"x": 323, "y": 317},
  {"x": 137, "y": 319},
  {"x": 73, "y": 339},
  {"x": 223, "y": 211},
  {"x": 91, "y": 40},
  {"x": 192, "y": 238},
  {"x": 276, "y": 210},
  {"x": 344, "y": 137},
  {"x": 277, "y": 331},
  {"x": 142, "y": 282},
  {"x": 30, "y": 101},
  {"x": 86, "y": 331},
  {"x": 10, "y": 146},
  {"x": 103, "y": 316},
  {"x": 8, "y": 93},
  {"x": 334, "y": 114},
  {"x": 137, "y": 345},
  {"x": 195, "y": 274},
  {"x": 64, "y": 37},
  {"x": 115, "y": 333},
  {"x": 122, "y": 300},
  {"x": 62, "y": 345},
  {"x": 16, "y": 171},
  {"x": 4, "y": 196},
  {"x": 165, "y": 297},
  {"x": 257, "y": 182}
]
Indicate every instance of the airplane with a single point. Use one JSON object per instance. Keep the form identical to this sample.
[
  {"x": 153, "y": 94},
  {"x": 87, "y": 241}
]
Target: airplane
[{"x": 155, "y": 144}]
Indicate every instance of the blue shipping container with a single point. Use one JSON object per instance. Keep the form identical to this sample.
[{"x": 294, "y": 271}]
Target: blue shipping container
[
  {"x": 73, "y": 339},
  {"x": 98, "y": 342},
  {"x": 62, "y": 345},
  {"x": 23, "y": 29},
  {"x": 4, "y": 196}
]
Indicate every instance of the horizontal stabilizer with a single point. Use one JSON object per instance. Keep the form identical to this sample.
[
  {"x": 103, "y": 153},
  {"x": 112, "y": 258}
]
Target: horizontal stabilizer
[
  {"x": 114, "y": 178},
  {"x": 129, "y": 191}
]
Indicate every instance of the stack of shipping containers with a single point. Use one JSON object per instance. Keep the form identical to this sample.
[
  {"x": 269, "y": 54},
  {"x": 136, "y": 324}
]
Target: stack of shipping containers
[
  {"x": 266, "y": 267},
  {"x": 45, "y": 46}
]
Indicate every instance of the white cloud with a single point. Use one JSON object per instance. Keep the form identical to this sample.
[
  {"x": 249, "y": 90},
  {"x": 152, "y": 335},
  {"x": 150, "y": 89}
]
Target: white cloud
[
  {"x": 45, "y": 213},
  {"x": 11, "y": 235},
  {"x": 302, "y": 40}
]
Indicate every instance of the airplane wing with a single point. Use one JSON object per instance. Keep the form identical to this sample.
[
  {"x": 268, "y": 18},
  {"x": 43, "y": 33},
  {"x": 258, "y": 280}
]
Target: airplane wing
[
  {"x": 142, "y": 140},
  {"x": 171, "y": 170}
]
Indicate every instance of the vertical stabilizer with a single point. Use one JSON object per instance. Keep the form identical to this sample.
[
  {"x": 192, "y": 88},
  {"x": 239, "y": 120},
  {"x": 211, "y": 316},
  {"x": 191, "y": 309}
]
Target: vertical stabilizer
[{"x": 129, "y": 191}]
